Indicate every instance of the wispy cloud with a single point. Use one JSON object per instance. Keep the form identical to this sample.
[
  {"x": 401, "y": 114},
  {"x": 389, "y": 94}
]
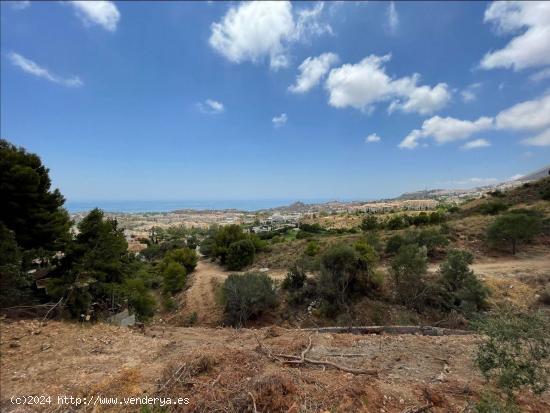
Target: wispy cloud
[
  {"x": 393, "y": 18},
  {"x": 312, "y": 70},
  {"x": 475, "y": 144},
  {"x": 33, "y": 68},
  {"x": 101, "y": 13},
  {"x": 280, "y": 120},
  {"x": 211, "y": 107},
  {"x": 469, "y": 94},
  {"x": 471, "y": 182},
  {"x": 373, "y": 138}
]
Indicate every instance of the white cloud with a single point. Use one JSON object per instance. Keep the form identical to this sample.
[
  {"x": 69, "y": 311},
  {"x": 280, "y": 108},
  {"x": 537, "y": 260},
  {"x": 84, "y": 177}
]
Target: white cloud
[
  {"x": 308, "y": 23},
  {"x": 393, "y": 18},
  {"x": 34, "y": 69},
  {"x": 20, "y": 5},
  {"x": 516, "y": 176},
  {"x": 102, "y": 13},
  {"x": 470, "y": 93},
  {"x": 373, "y": 138},
  {"x": 280, "y": 120},
  {"x": 530, "y": 48},
  {"x": 529, "y": 115},
  {"x": 540, "y": 75},
  {"x": 363, "y": 84},
  {"x": 444, "y": 130},
  {"x": 312, "y": 70},
  {"x": 542, "y": 139},
  {"x": 254, "y": 31},
  {"x": 211, "y": 107},
  {"x": 475, "y": 144}
]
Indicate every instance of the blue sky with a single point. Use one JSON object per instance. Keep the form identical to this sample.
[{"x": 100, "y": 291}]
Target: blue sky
[{"x": 228, "y": 100}]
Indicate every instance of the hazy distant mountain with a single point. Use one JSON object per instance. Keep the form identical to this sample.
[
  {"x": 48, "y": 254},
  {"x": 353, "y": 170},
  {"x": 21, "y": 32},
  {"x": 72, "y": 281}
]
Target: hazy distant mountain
[{"x": 538, "y": 174}]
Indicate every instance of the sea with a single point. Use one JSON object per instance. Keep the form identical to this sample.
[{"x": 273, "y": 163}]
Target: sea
[{"x": 168, "y": 206}]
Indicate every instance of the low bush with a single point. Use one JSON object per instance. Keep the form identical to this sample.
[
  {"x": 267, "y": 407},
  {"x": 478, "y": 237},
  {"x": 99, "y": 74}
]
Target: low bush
[
  {"x": 294, "y": 279},
  {"x": 369, "y": 223},
  {"x": 344, "y": 274},
  {"x": 240, "y": 254},
  {"x": 183, "y": 256},
  {"x": 139, "y": 298},
  {"x": 173, "y": 275},
  {"x": 459, "y": 289},
  {"x": 515, "y": 352},
  {"x": 247, "y": 296},
  {"x": 312, "y": 248},
  {"x": 408, "y": 269},
  {"x": 492, "y": 207}
]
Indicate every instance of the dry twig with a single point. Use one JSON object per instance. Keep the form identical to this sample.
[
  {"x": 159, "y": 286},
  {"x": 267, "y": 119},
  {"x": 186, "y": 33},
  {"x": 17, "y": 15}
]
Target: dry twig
[
  {"x": 418, "y": 409},
  {"x": 302, "y": 359}
]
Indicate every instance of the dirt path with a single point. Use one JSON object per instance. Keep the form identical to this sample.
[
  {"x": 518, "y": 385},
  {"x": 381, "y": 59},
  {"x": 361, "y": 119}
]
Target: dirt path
[
  {"x": 200, "y": 297},
  {"x": 514, "y": 267}
]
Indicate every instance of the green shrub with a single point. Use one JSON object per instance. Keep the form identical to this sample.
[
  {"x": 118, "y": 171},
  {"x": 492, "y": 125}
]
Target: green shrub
[
  {"x": 303, "y": 234},
  {"x": 367, "y": 253},
  {"x": 372, "y": 238},
  {"x": 431, "y": 238},
  {"x": 397, "y": 222},
  {"x": 312, "y": 248},
  {"x": 173, "y": 275},
  {"x": 168, "y": 303},
  {"x": 369, "y": 223},
  {"x": 515, "y": 351},
  {"x": 294, "y": 279},
  {"x": 344, "y": 273},
  {"x": 247, "y": 296},
  {"x": 490, "y": 403},
  {"x": 183, "y": 256},
  {"x": 139, "y": 298},
  {"x": 408, "y": 269},
  {"x": 460, "y": 289},
  {"x": 513, "y": 228},
  {"x": 492, "y": 207},
  {"x": 240, "y": 254},
  {"x": 394, "y": 243},
  {"x": 312, "y": 228}
]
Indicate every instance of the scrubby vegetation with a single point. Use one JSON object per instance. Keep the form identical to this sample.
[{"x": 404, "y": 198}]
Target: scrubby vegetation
[
  {"x": 234, "y": 248},
  {"x": 246, "y": 296},
  {"x": 514, "y": 355},
  {"x": 514, "y": 228}
]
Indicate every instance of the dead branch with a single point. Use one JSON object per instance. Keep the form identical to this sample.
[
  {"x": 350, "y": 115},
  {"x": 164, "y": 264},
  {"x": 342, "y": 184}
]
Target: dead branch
[
  {"x": 418, "y": 409},
  {"x": 302, "y": 359},
  {"x": 253, "y": 402},
  {"x": 50, "y": 310}
]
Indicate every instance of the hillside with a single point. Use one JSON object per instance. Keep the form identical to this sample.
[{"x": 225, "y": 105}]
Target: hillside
[{"x": 227, "y": 370}]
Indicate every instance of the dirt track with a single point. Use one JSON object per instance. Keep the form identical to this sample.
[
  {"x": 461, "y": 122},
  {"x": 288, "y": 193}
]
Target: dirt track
[{"x": 200, "y": 297}]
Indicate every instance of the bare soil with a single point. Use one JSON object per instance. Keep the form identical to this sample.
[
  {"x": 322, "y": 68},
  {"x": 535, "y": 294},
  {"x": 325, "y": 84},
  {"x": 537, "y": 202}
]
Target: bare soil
[{"x": 225, "y": 370}]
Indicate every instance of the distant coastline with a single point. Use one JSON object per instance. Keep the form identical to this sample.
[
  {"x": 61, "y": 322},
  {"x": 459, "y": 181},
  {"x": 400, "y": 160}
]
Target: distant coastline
[{"x": 169, "y": 206}]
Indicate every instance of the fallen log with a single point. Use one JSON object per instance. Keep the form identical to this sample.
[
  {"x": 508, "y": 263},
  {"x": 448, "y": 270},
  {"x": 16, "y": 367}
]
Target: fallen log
[{"x": 420, "y": 330}]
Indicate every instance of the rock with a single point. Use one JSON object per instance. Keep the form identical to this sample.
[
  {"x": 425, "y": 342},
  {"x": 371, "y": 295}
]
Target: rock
[
  {"x": 15, "y": 344},
  {"x": 45, "y": 347}
]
